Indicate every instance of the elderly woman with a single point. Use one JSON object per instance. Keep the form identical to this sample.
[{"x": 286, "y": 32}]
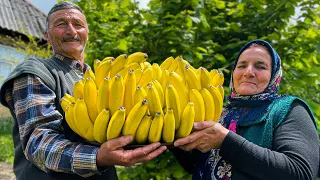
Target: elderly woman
[{"x": 261, "y": 134}]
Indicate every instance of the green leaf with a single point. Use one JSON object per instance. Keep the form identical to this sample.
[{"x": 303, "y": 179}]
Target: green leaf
[
  {"x": 122, "y": 45},
  {"x": 195, "y": 19},
  {"x": 202, "y": 49},
  {"x": 220, "y": 5},
  {"x": 220, "y": 57}
]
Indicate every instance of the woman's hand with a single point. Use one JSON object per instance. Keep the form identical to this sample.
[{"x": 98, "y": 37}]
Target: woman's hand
[
  {"x": 207, "y": 135},
  {"x": 112, "y": 153}
]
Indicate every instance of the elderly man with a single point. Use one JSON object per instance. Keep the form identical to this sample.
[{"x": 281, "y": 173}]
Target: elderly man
[{"x": 45, "y": 146}]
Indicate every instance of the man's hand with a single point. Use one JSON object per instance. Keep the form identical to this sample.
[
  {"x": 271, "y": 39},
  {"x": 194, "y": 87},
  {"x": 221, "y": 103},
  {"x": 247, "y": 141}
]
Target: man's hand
[
  {"x": 112, "y": 153},
  {"x": 207, "y": 135}
]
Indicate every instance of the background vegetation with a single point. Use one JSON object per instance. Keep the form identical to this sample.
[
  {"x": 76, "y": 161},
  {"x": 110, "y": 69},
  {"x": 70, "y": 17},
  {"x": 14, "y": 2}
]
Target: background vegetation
[{"x": 208, "y": 33}]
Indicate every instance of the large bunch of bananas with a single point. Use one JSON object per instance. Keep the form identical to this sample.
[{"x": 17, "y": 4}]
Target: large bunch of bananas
[{"x": 127, "y": 95}]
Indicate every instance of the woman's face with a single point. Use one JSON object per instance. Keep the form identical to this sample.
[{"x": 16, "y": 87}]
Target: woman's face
[{"x": 253, "y": 71}]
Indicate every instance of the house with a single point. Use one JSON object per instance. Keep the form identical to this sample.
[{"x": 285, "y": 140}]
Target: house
[{"x": 18, "y": 18}]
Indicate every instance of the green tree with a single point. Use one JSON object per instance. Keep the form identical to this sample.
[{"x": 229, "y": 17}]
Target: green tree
[{"x": 208, "y": 33}]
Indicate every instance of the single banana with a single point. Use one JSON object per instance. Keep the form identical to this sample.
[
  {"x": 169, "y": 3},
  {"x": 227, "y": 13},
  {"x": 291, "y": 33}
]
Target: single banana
[
  {"x": 199, "y": 107},
  {"x": 132, "y": 66},
  {"x": 69, "y": 97},
  {"x": 78, "y": 90},
  {"x": 143, "y": 129},
  {"x": 205, "y": 77},
  {"x": 137, "y": 57},
  {"x": 218, "y": 79},
  {"x": 156, "y": 128},
  {"x": 181, "y": 88},
  {"x": 154, "y": 104},
  {"x": 64, "y": 103},
  {"x": 221, "y": 79},
  {"x": 146, "y": 77},
  {"x": 89, "y": 74},
  {"x": 161, "y": 93},
  {"x": 116, "y": 94},
  {"x": 157, "y": 72},
  {"x": 96, "y": 64},
  {"x": 102, "y": 72},
  {"x": 187, "y": 120},
  {"x": 90, "y": 95},
  {"x": 118, "y": 64},
  {"x": 82, "y": 120},
  {"x": 116, "y": 123},
  {"x": 218, "y": 102},
  {"x": 166, "y": 63},
  {"x": 180, "y": 70},
  {"x": 134, "y": 118},
  {"x": 138, "y": 72},
  {"x": 107, "y": 59},
  {"x": 100, "y": 126},
  {"x": 103, "y": 95},
  {"x": 174, "y": 64},
  {"x": 208, "y": 104},
  {"x": 164, "y": 79},
  {"x": 146, "y": 65},
  {"x": 192, "y": 79},
  {"x": 213, "y": 72},
  {"x": 130, "y": 87},
  {"x": 139, "y": 95},
  {"x": 168, "y": 130},
  {"x": 173, "y": 102},
  {"x": 221, "y": 90},
  {"x": 69, "y": 116}
]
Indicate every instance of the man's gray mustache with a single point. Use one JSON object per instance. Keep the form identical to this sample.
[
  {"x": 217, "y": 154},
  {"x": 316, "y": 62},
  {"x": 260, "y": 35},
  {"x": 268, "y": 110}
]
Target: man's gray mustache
[{"x": 72, "y": 38}]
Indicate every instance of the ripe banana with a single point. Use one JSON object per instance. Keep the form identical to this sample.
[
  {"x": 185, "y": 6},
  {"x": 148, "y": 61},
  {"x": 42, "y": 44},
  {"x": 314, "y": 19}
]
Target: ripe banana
[
  {"x": 132, "y": 66},
  {"x": 221, "y": 90},
  {"x": 182, "y": 90},
  {"x": 166, "y": 63},
  {"x": 161, "y": 93},
  {"x": 213, "y": 72},
  {"x": 64, "y": 103},
  {"x": 139, "y": 95},
  {"x": 82, "y": 120},
  {"x": 156, "y": 128},
  {"x": 157, "y": 72},
  {"x": 90, "y": 95},
  {"x": 218, "y": 102},
  {"x": 69, "y": 97},
  {"x": 143, "y": 129},
  {"x": 130, "y": 87},
  {"x": 107, "y": 59},
  {"x": 192, "y": 79},
  {"x": 78, "y": 90},
  {"x": 69, "y": 116},
  {"x": 116, "y": 123},
  {"x": 137, "y": 57},
  {"x": 218, "y": 79},
  {"x": 100, "y": 126},
  {"x": 174, "y": 64},
  {"x": 116, "y": 94},
  {"x": 208, "y": 104},
  {"x": 164, "y": 79},
  {"x": 146, "y": 77},
  {"x": 102, "y": 72},
  {"x": 96, "y": 64},
  {"x": 118, "y": 64},
  {"x": 89, "y": 74},
  {"x": 187, "y": 120},
  {"x": 138, "y": 72},
  {"x": 103, "y": 95},
  {"x": 134, "y": 118},
  {"x": 145, "y": 65},
  {"x": 199, "y": 107},
  {"x": 168, "y": 126},
  {"x": 173, "y": 102},
  {"x": 205, "y": 77},
  {"x": 154, "y": 104}
]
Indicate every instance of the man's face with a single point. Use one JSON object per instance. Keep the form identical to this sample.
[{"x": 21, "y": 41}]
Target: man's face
[{"x": 68, "y": 33}]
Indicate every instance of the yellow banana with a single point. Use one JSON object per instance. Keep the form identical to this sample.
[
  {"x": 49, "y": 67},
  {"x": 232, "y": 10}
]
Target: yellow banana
[
  {"x": 187, "y": 120},
  {"x": 134, "y": 118},
  {"x": 157, "y": 72},
  {"x": 221, "y": 79},
  {"x": 64, "y": 103},
  {"x": 82, "y": 120},
  {"x": 100, "y": 126},
  {"x": 103, "y": 95},
  {"x": 180, "y": 70},
  {"x": 132, "y": 66},
  {"x": 146, "y": 65},
  {"x": 198, "y": 102},
  {"x": 221, "y": 90},
  {"x": 107, "y": 59},
  {"x": 102, "y": 72},
  {"x": 116, "y": 94},
  {"x": 143, "y": 129},
  {"x": 168, "y": 126},
  {"x": 90, "y": 95},
  {"x": 164, "y": 79},
  {"x": 154, "y": 103},
  {"x": 146, "y": 77},
  {"x": 130, "y": 87},
  {"x": 217, "y": 102},
  {"x": 174, "y": 64},
  {"x": 213, "y": 72},
  {"x": 173, "y": 102},
  {"x": 156, "y": 128},
  {"x": 137, "y": 57},
  {"x": 138, "y": 72},
  {"x": 209, "y": 105},
  {"x": 166, "y": 63},
  {"x": 69, "y": 116},
  {"x": 161, "y": 93},
  {"x": 118, "y": 64},
  {"x": 78, "y": 90},
  {"x": 205, "y": 77},
  {"x": 89, "y": 73},
  {"x": 139, "y": 95},
  {"x": 192, "y": 79},
  {"x": 116, "y": 123},
  {"x": 96, "y": 64},
  {"x": 218, "y": 79},
  {"x": 182, "y": 90}
]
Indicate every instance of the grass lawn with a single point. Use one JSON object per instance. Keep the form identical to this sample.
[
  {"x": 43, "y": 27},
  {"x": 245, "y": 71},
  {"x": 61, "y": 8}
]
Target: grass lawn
[{"x": 6, "y": 143}]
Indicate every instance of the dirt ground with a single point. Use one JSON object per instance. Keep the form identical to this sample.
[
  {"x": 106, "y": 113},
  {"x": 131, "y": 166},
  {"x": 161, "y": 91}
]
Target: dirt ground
[{"x": 6, "y": 172}]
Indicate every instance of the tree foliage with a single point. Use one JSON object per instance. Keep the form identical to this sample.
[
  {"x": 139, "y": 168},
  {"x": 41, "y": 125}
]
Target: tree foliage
[{"x": 209, "y": 33}]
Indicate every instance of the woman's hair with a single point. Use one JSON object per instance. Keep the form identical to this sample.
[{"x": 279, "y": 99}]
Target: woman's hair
[{"x": 60, "y": 6}]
